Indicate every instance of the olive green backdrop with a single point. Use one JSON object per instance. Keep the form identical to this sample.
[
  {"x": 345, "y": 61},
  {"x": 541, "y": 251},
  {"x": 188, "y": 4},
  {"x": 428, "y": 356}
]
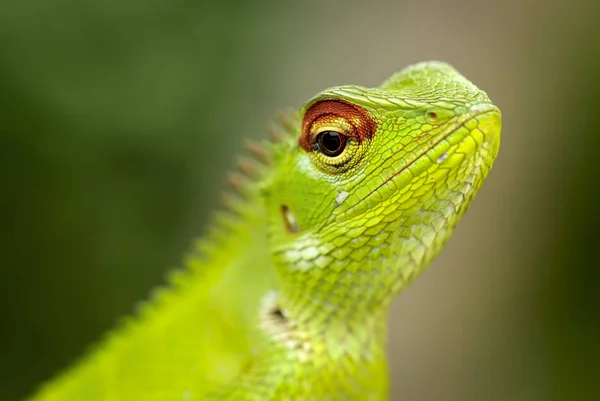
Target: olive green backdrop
[{"x": 118, "y": 120}]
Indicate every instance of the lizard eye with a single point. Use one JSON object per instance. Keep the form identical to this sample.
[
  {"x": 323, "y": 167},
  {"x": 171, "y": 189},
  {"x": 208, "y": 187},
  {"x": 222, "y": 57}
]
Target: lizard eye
[
  {"x": 333, "y": 133},
  {"x": 330, "y": 143}
]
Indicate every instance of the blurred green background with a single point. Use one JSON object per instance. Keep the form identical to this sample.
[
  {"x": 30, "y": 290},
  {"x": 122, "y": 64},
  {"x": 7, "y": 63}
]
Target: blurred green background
[{"x": 119, "y": 118}]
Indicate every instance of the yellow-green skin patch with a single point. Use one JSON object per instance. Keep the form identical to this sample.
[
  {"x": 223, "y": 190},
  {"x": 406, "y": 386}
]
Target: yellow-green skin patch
[{"x": 265, "y": 312}]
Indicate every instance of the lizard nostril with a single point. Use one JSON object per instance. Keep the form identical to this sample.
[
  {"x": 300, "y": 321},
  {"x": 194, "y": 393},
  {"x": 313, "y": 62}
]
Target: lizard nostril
[
  {"x": 432, "y": 115},
  {"x": 289, "y": 220}
]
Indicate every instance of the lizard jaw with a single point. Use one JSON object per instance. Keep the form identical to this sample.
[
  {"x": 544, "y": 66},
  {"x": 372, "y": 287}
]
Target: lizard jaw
[{"x": 485, "y": 117}]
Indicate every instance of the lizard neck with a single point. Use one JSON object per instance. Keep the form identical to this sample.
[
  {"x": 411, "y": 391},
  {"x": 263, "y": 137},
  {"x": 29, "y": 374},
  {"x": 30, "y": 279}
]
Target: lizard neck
[{"x": 337, "y": 358}]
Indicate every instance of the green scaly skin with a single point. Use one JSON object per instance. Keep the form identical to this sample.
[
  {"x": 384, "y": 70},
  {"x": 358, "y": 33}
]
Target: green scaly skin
[{"x": 287, "y": 298}]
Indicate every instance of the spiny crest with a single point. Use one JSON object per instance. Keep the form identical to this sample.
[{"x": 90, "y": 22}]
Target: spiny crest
[
  {"x": 251, "y": 169},
  {"x": 242, "y": 181},
  {"x": 236, "y": 201}
]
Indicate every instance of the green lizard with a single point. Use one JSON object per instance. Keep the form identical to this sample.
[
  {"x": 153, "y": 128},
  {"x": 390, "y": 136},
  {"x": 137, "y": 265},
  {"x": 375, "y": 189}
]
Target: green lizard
[{"x": 287, "y": 296}]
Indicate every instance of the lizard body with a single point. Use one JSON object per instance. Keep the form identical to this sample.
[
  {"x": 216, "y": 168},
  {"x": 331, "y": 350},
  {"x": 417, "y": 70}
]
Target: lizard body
[{"x": 287, "y": 297}]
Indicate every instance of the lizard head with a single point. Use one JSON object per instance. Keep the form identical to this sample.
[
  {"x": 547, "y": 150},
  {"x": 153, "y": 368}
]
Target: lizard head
[{"x": 372, "y": 185}]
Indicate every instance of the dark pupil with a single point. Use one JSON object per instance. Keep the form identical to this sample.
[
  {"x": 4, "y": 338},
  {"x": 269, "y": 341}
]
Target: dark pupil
[{"x": 331, "y": 143}]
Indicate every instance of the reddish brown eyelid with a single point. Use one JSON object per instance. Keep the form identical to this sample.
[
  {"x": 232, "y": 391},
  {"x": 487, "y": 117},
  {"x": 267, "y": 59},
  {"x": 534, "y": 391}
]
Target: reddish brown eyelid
[{"x": 362, "y": 129}]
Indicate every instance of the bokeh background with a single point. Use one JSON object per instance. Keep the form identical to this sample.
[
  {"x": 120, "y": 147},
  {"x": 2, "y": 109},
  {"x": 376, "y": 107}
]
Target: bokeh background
[{"x": 119, "y": 118}]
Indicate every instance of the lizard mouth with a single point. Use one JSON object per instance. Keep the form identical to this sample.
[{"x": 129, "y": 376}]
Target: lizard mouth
[
  {"x": 475, "y": 113},
  {"x": 486, "y": 116}
]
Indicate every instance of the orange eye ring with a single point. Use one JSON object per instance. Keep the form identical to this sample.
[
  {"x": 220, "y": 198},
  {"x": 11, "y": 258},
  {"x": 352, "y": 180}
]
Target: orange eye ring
[{"x": 357, "y": 123}]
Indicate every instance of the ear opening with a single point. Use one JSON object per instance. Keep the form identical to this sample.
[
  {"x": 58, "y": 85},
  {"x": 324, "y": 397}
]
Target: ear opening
[{"x": 289, "y": 220}]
